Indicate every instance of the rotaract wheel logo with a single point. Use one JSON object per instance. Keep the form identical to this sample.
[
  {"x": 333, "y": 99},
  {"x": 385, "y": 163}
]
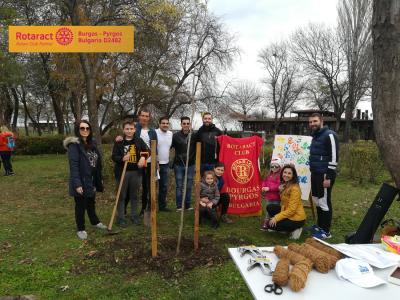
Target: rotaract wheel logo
[
  {"x": 242, "y": 170},
  {"x": 64, "y": 36}
]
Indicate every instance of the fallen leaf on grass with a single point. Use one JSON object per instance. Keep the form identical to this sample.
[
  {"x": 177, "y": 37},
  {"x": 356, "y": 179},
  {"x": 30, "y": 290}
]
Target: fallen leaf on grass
[{"x": 92, "y": 253}]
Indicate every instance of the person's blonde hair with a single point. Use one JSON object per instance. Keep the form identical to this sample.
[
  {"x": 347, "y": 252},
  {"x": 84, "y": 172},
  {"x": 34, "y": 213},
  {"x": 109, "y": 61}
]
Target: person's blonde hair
[{"x": 4, "y": 128}]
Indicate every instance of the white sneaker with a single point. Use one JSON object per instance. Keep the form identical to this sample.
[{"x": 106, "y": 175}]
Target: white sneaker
[
  {"x": 82, "y": 234},
  {"x": 296, "y": 233},
  {"x": 100, "y": 226}
]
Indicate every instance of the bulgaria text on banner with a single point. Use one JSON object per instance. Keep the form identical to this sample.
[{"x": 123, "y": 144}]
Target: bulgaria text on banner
[
  {"x": 71, "y": 39},
  {"x": 242, "y": 175},
  {"x": 295, "y": 149}
]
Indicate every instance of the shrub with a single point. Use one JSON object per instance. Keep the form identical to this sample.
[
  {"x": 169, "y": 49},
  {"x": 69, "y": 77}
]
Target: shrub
[
  {"x": 51, "y": 144},
  {"x": 361, "y": 161}
]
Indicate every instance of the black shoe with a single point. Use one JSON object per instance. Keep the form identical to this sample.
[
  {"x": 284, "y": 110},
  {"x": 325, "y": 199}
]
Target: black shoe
[
  {"x": 136, "y": 221},
  {"x": 141, "y": 214},
  {"x": 11, "y": 173},
  {"x": 164, "y": 209}
]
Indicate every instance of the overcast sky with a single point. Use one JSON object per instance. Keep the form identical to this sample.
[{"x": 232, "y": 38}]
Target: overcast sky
[{"x": 256, "y": 23}]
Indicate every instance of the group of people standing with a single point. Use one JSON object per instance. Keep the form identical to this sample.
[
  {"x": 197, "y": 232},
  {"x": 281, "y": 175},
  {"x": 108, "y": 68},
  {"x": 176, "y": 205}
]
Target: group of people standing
[
  {"x": 285, "y": 211},
  {"x": 284, "y": 207},
  {"x": 133, "y": 148}
]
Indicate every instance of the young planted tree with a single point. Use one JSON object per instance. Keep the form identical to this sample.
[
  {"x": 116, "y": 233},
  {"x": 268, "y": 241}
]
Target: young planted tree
[{"x": 385, "y": 84}]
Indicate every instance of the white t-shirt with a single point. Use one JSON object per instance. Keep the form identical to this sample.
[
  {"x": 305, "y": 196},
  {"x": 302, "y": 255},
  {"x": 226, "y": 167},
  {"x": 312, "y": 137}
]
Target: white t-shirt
[
  {"x": 144, "y": 135},
  {"x": 163, "y": 145}
]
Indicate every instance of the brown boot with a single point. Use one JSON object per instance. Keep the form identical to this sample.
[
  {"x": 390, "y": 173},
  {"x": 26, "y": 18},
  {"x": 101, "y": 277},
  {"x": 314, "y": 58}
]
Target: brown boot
[{"x": 225, "y": 219}]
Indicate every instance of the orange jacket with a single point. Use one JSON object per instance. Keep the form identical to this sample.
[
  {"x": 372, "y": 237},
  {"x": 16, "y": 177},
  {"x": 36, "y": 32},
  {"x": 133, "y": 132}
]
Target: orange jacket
[
  {"x": 3, "y": 141},
  {"x": 291, "y": 204}
]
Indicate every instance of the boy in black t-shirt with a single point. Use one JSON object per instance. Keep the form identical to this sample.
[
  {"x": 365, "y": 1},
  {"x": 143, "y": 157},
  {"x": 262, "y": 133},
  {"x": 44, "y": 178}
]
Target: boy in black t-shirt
[{"x": 135, "y": 151}]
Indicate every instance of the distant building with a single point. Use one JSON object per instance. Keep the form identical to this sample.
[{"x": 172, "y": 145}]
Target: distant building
[{"x": 299, "y": 124}]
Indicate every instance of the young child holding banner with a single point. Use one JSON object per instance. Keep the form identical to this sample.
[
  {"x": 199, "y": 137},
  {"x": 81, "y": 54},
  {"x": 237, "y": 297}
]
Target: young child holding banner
[
  {"x": 135, "y": 151},
  {"x": 290, "y": 217},
  {"x": 209, "y": 198},
  {"x": 270, "y": 188}
]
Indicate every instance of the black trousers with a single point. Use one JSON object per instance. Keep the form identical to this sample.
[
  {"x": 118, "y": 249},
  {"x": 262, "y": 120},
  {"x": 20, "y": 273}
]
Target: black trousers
[
  {"x": 322, "y": 199},
  {"x": 224, "y": 202},
  {"x": 146, "y": 187},
  {"x": 6, "y": 158},
  {"x": 285, "y": 224},
  {"x": 208, "y": 213},
  {"x": 83, "y": 204}
]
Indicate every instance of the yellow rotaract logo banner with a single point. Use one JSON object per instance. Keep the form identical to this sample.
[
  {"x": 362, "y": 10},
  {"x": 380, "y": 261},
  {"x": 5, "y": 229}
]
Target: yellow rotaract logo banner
[{"x": 71, "y": 39}]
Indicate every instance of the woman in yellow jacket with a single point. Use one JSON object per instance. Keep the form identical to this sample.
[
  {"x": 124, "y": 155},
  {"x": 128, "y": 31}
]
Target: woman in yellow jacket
[{"x": 290, "y": 217}]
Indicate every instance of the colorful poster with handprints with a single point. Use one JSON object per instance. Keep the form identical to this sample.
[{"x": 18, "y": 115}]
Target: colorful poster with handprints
[{"x": 295, "y": 149}]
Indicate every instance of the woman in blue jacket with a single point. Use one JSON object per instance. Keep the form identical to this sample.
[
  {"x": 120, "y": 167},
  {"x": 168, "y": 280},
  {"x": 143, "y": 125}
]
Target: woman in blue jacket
[{"x": 85, "y": 175}]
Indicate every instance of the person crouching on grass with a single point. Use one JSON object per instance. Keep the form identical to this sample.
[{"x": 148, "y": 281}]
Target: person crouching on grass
[
  {"x": 290, "y": 217},
  {"x": 270, "y": 188},
  {"x": 85, "y": 175},
  {"x": 209, "y": 198},
  {"x": 224, "y": 198},
  {"x": 133, "y": 150}
]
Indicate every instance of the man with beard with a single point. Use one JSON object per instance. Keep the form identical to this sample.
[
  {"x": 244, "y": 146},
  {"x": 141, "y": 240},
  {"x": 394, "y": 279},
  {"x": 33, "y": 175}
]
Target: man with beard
[
  {"x": 324, "y": 155},
  {"x": 180, "y": 141},
  {"x": 209, "y": 146}
]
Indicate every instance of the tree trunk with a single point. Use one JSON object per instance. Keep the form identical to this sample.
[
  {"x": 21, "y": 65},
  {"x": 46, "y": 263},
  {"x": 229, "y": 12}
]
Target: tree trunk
[
  {"x": 349, "y": 119},
  {"x": 92, "y": 105},
  {"x": 16, "y": 110},
  {"x": 386, "y": 82},
  {"x": 8, "y": 107},
  {"x": 53, "y": 95}
]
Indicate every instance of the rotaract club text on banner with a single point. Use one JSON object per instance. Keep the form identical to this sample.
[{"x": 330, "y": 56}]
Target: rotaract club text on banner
[
  {"x": 71, "y": 39},
  {"x": 242, "y": 174}
]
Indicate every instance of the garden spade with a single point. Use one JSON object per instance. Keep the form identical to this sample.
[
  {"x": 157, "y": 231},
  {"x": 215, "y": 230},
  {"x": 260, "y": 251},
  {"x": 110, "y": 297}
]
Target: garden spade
[{"x": 117, "y": 199}]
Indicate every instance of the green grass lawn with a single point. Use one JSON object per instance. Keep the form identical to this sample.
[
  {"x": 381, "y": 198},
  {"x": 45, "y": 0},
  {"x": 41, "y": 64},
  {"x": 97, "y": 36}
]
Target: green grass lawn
[{"x": 41, "y": 255}]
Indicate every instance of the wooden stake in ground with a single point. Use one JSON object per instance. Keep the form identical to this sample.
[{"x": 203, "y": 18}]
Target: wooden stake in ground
[
  {"x": 153, "y": 198},
  {"x": 197, "y": 197},
  {"x": 121, "y": 182}
]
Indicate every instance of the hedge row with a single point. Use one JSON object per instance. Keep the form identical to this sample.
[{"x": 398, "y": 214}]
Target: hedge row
[
  {"x": 49, "y": 144},
  {"x": 361, "y": 161}
]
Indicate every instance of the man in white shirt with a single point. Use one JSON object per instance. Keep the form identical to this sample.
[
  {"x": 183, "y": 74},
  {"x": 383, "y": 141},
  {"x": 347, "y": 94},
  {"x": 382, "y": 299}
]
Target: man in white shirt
[{"x": 164, "y": 137}]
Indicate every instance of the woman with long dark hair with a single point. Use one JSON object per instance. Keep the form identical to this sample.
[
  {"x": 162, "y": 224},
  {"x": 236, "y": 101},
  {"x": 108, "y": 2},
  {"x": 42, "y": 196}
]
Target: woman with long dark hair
[
  {"x": 85, "y": 175},
  {"x": 290, "y": 216}
]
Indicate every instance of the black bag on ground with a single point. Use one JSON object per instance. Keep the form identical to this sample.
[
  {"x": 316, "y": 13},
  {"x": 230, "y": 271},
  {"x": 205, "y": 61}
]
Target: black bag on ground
[{"x": 374, "y": 216}]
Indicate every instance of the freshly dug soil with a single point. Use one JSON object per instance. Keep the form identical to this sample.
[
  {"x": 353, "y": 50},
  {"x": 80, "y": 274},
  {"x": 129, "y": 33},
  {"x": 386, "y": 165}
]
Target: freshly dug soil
[{"x": 131, "y": 256}]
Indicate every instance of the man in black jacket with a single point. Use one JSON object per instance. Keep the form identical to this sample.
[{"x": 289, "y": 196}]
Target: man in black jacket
[
  {"x": 209, "y": 146},
  {"x": 324, "y": 156},
  {"x": 180, "y": 141}
]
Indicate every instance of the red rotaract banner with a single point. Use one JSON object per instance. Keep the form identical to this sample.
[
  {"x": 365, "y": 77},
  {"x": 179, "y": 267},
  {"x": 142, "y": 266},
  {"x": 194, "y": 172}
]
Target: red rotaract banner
[{"x": 242, "y": 175}]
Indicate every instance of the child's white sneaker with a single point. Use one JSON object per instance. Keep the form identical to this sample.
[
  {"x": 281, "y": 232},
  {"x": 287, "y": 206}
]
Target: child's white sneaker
[
  {"x": 82, "y": 234},
  {"x": 295, "y": 235}
]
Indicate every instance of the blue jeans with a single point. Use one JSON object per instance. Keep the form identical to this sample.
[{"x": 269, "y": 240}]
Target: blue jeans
[
  {"x": 163, "y": 186},
  {"x": 206, "y": 167},
  {"x": 179, "y": 176}
]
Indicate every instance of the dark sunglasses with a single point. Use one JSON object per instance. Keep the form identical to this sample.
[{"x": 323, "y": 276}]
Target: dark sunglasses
[
  {"x": 84, "y": 128},
  {"x": 185, "y": 123},
  {"x": 274, "y": 167}
]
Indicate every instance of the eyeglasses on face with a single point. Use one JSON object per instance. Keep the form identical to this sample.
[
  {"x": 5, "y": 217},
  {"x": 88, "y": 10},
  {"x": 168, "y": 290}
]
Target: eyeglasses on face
[
  {"x": 274, "y": 167},
  {"x": 185, "y": 123},
  {"x": 84, "y": 128}
]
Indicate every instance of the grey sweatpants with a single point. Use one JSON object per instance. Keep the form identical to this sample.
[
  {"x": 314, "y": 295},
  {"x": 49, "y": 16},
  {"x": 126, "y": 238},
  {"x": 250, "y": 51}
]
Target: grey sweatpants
[{"x": 130, "y": 188}]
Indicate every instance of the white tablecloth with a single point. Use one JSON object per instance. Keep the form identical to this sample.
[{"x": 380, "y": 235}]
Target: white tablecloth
[{"x": 319, "y": 286}]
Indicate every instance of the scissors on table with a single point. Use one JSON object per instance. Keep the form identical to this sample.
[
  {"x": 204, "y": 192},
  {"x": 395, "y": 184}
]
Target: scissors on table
[{"x": 273, "y": 288}]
